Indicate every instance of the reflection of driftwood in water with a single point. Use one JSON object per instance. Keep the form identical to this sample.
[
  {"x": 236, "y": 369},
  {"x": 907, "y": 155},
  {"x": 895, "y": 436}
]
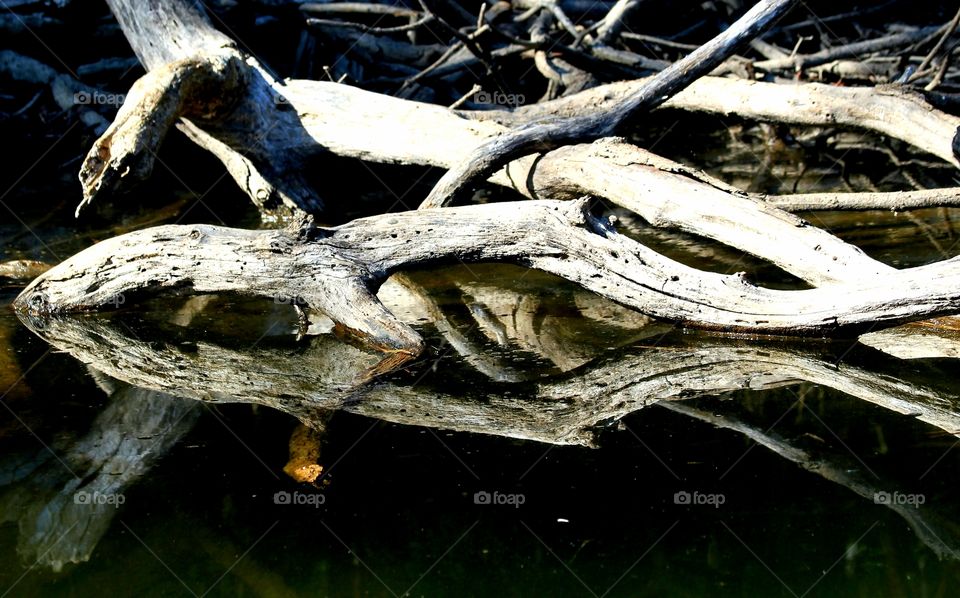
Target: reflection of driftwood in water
[
  {"x": 942, "y": 536},
  {"x": 510, "y": 318},
  {"x": 564, "y": 410},
  {"x": 915, "y": 342},
  {"x": 66, "y": 504}
]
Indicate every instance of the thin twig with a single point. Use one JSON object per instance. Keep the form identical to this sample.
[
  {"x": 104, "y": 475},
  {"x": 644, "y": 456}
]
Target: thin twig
[
  {"x": 951, "y": 27},
  {"x": 613, "y": 23},
  {"x": 369, "y": 29}
]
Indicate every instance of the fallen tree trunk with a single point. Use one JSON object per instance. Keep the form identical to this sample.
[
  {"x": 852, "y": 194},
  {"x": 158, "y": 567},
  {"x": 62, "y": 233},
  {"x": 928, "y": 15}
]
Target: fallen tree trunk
[{"x": 337, "y": 271}]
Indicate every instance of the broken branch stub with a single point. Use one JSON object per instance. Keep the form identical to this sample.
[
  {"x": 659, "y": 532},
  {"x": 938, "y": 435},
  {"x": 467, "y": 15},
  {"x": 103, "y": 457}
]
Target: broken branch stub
[
  {"x": 203, "y": 88},
  {"x": 224, "y": 100}
]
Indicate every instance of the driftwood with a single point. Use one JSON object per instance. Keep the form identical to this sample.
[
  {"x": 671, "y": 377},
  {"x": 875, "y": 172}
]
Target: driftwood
[
  {"x": 664, "y": 193},
  {"x": 337, "y": 271},
  {"x": 230, "y": 104},
  {"x": 264, "y": 130}
]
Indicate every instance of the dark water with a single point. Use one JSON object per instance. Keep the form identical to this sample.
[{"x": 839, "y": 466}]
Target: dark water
[{"x": 525, "y": 455}]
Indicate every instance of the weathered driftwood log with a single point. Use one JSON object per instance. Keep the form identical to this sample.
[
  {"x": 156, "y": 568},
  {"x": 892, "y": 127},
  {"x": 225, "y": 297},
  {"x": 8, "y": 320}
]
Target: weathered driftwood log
[
  {"x": 341, "y": 119},
  {"x": 890, "y": 110},
  {"x": 336, "y": 271},
  {"x": 664, "y": 193},
  {"x": 250, "y": 111},
  {"x": 894, "y": 201}
]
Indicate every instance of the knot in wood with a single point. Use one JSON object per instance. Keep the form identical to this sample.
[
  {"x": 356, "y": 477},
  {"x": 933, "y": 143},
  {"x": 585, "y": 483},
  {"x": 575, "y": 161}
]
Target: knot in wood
[{"x": 37, "y": 302}]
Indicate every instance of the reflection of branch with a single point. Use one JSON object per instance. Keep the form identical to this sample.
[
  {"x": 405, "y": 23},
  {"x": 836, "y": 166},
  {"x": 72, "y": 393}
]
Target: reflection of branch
[
  {"x": 60, "y": 517},
  {"x": 836, "y": 468},
  {"x": 461, "y": 342},
  {"x": 560, "y": 411},
  {"x": 511, "y": 318},
  {"x": 566, "y": 410}
]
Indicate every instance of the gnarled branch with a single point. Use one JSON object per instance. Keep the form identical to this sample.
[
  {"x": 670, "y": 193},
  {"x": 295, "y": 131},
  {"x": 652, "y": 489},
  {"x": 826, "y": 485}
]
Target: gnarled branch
[{"x": 337, "y": 271}]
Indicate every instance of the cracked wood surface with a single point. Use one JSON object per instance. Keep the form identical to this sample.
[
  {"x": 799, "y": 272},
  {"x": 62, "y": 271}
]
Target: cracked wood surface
[{"x": 336, "y": 271}]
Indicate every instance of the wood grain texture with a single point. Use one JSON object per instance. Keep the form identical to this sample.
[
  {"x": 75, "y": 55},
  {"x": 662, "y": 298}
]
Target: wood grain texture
[{"x": 337, "y": 271}]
